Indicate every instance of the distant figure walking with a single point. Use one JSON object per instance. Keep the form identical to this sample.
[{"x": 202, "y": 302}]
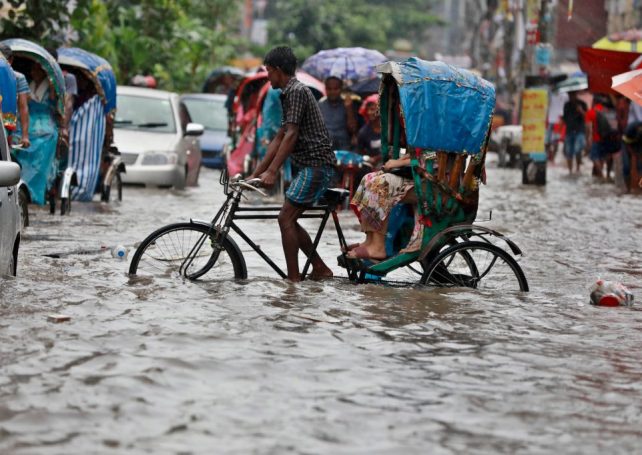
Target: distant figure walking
[{"x": 574, "y": 118}]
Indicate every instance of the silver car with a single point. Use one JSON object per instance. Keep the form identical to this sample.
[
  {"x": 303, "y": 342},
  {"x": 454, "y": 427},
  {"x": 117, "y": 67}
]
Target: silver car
[
  {"x": 9, "y": 210},
  {"x": 156, "y": 138}
]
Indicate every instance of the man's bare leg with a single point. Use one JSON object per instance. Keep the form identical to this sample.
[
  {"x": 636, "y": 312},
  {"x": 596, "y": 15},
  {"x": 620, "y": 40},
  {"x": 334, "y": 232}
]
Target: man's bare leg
[
  {"x": 319, "y": 268},
  {"x": 294, "y": 237}
]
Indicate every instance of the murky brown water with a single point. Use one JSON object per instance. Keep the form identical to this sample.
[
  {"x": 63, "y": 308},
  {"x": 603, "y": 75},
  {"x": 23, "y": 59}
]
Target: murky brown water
[{"x": 266, "y": 367}]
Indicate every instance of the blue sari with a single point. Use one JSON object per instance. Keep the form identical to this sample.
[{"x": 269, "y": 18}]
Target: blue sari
[{"x": 39, "y": 163}]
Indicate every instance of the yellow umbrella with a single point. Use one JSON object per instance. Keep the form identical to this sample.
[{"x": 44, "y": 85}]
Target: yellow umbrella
[{"x": 629, "y": 41}]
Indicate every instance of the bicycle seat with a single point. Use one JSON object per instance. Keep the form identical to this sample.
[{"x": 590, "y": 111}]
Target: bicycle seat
[{"x": 335, "y": 196}]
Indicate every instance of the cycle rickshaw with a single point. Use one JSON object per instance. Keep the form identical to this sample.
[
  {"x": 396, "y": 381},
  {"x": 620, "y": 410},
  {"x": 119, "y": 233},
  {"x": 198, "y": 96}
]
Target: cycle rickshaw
[
  {"x": 44, "y": 164},
  {"x": 445, "y": 114},
  {"x": 97, "y": 163}
]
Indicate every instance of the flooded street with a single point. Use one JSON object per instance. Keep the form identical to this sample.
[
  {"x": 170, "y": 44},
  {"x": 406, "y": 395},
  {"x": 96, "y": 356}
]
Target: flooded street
[{"x": 262, "y": 366}]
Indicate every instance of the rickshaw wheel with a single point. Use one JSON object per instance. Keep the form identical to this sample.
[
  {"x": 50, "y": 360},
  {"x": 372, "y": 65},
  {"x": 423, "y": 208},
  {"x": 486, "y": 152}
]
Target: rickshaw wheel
[
  {"x": 65, "y": 206},
  {"x": 119, "y": 187},
  {"x": 52, "y": 202},
  {"x": 106, "y": 192},
  {"x": 478, "y": 265}
]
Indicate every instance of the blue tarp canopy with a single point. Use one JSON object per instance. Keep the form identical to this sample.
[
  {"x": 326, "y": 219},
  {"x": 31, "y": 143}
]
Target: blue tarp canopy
[
  {"x": 444, "y": 108},
  {"x": 8, "y": 95},
  {"x": 98, "y": 69},
  {"x": 24, "y": 48}
]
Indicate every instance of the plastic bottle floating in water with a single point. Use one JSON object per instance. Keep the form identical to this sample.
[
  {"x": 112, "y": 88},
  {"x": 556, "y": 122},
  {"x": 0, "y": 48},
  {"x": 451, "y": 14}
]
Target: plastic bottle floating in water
[
  {"x": 609, "y": 293},
  {"x": 119, "y": 252}
]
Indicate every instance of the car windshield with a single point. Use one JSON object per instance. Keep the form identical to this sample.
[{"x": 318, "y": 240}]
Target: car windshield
[
  {"x": 144, "y": 113},
  {"x": 211, "y": 113}
]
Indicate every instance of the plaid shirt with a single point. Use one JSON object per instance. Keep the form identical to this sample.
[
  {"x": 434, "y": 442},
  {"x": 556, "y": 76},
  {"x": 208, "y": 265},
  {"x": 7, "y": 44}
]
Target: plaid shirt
[{"x": 313, "y": 146}]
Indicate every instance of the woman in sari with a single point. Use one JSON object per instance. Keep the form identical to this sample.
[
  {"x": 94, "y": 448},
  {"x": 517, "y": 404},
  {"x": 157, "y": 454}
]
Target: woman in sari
[{"x": 38, "y": 161}]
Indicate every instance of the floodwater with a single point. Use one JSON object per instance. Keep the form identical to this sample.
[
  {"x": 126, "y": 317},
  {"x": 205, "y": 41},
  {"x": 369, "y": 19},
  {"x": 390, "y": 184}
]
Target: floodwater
[{"x": 262, "y": 366}]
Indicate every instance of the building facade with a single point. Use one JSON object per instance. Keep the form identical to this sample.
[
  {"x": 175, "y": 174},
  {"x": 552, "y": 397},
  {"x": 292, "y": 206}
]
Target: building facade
[{"x": 623, "y": 15}]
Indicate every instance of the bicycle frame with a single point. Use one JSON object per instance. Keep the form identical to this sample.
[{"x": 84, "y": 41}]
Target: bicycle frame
[{"x": 232, "y": 210}]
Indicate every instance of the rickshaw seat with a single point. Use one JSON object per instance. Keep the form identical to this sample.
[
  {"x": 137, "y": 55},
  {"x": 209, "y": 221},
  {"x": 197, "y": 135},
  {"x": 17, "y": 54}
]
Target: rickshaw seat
[{"x": 335, "y": 196}]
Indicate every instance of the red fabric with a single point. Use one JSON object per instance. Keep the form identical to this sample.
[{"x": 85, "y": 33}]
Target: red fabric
[
  {"x": 590, "y": 117},
  {"x": 601, "y": 65}
]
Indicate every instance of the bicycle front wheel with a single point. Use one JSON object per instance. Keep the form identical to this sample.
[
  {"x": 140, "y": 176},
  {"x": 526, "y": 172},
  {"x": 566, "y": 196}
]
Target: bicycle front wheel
[
  {"x": 188, "y": 250},
  {"x": 477, "y": 265}
]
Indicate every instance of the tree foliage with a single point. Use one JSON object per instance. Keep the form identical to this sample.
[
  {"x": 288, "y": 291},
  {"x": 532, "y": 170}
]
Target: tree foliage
[
  {"x": 177, "y": 41},
  {"x": 43, "y": 21},
  {"x": 312, "y": 25}
]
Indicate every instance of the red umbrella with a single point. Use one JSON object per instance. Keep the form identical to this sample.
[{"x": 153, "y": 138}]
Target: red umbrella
[
  {"x": 311, "y": 81},
  {"x": 601, "y": 65},
  {"x": 630, "y": 85}
]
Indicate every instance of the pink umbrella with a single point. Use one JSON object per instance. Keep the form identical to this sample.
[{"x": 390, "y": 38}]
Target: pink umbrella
[
  {"x": 311, "y": 81},
  {"x": 630, "y": 85}
]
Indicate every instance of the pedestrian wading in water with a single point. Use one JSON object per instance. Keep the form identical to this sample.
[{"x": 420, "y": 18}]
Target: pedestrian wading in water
[{"x": 304, "y": 138}]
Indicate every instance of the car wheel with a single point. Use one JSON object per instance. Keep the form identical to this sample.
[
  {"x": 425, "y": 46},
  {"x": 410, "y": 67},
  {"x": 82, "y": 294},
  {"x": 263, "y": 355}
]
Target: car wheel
[{"x": 23, "y": 204}]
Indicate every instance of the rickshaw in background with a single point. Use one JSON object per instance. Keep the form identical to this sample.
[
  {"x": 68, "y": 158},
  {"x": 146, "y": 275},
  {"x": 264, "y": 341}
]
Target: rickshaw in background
[
  {"x": 243, "y": 121},
  {"x": 225, "y": 81},
  {"x": 8, "y": 96},
  {"x": 97, "y": 162},
  {"x": 442, "y": 117},
  {"x": 218, "y": 81},
  {"x": 44, "y": 163},
  {"x": 248, "y": 117}
]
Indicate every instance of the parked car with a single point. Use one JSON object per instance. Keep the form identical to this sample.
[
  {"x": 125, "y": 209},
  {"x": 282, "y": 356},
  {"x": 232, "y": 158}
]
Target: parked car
[
  {"x": 210, "y": 111},
  {"x": 9, "y": 209},
  {"x": 156, "y": 138}
]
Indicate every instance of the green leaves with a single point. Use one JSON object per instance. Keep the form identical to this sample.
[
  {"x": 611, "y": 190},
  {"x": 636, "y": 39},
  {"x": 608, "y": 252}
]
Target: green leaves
[
  {"x": 178, "y": 41},
  {"x": 309, "y": 26}
]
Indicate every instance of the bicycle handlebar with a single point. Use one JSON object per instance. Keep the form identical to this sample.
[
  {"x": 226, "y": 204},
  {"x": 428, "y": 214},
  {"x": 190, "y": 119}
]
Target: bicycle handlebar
[{"x": 252, "y": 184}]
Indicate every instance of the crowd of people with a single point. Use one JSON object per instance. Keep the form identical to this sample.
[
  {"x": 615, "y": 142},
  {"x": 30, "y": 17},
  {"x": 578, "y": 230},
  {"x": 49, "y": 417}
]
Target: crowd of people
[{"x": 609, "y": 133}]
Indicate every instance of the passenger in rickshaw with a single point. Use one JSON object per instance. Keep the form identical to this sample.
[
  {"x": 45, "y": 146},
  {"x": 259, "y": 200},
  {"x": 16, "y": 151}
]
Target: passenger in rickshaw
[
  {"x": 43, "y": 134},
  {"x": 378, "y": 193},
  {"x": 247, "y": 111},
  {"x": 369, "y": 137},
  {"x": 338, "y": 115},
  {"x": 22, "y": 88}
]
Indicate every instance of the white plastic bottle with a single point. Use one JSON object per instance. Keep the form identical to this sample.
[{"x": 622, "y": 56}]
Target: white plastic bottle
[{"x": 119, "y": 252}]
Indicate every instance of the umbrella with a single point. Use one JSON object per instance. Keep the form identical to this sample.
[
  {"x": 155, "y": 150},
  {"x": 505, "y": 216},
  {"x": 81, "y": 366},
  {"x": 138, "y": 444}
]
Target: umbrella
[
  {"x": 601, "y": 65},
  {"x": 311, "y": 82},
  {"x": 630, "y": 85},
  {"x": 629, "y": 41},
  {"x": 214, "y": 79},
  {"x": 345, "y": 63},
  {"x": 366, "y": 86}
]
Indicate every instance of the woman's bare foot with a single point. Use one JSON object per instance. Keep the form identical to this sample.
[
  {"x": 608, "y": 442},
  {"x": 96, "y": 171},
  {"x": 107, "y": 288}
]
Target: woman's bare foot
[{"x": 368, "y": 252}]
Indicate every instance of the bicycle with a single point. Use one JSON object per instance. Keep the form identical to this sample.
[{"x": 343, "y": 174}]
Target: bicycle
[{"x": 196, "y": 248}]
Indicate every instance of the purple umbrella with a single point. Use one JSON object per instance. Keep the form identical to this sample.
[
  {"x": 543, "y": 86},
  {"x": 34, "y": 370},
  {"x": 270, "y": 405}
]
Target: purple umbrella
[{"x": 345, "y": 63}]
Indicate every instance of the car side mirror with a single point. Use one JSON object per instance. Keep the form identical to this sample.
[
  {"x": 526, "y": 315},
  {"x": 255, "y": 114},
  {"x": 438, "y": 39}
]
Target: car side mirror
[
  {"x": 9, "y": 173},
  {"x": 194, "y": 129}
]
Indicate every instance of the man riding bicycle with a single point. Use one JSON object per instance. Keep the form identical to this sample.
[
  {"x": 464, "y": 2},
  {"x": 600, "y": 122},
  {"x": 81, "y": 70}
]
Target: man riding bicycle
[{"x": 304, "y": 137}]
